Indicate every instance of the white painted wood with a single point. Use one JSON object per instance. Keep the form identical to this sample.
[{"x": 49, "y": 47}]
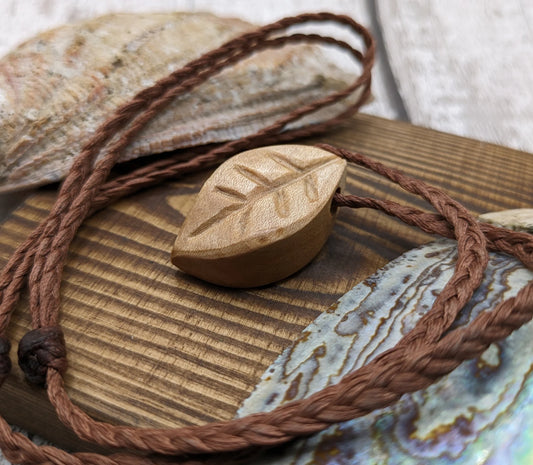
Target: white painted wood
[{"x": 464, "y": 67}]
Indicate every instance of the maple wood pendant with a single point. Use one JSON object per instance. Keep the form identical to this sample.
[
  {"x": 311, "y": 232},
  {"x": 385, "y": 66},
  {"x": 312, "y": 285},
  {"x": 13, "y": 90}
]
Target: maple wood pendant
[{"x": 261, "y": 216}]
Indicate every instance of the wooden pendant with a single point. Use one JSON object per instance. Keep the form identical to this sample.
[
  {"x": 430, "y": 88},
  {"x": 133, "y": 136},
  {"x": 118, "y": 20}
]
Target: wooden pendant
[{"x": 261, "y": 216}]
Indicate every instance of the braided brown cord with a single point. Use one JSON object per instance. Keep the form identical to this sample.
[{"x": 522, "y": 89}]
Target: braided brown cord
[
  {"x": 82, "y": 190},
  {"x": 424, "y": 355},
  {"x": 31, "y": 256},
  {"x": 355, "y": 395},
  {"x": 47, "y": 269},
  {"x": 518, "y": 244}
]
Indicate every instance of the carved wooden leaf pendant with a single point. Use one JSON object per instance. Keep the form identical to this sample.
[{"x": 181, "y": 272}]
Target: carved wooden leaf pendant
[{"x": 261, "y": 216}]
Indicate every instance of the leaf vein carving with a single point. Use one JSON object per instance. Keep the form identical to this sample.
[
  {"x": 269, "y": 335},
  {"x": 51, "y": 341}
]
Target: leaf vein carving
[
  {"x": 286, "y": 162},
  {"x": 282, "y": 203},
  {"x": 265, "y": 186},
  {"x": 253, "y": 175},
  {"x": 216, "y": 218},
  {"x": 244, "y": 220},
  {"x": 311, "y": 187}
]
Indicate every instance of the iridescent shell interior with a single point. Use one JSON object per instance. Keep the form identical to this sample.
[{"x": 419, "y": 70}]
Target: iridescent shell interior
[{"x": 481, "y": 413}]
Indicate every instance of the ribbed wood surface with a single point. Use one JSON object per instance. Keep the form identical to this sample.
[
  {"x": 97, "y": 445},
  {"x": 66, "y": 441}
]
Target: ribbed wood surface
[{"x": 149, "y": 345}]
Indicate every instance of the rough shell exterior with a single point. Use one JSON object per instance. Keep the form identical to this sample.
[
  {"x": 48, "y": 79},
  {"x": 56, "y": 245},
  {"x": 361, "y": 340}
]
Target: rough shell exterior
[
  {"x": 482, "y": 412},
  {"x": 57, "y": 88},
  {"x": 520, "y": 219}
]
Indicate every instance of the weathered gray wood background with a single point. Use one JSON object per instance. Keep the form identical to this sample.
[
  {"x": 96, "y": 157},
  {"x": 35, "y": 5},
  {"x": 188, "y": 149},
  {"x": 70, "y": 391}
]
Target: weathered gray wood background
[
  {"x": 464, "y": 67},
  {"x": 460, "y": 67}
]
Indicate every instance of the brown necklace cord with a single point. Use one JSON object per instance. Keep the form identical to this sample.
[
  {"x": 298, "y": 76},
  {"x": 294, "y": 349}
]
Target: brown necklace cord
[
  {"x": 351, "y": 397},
  {"x": 422, "y": 356},
  {"x": 47, "y": 267},
  {"x": 45, "y": 347}
]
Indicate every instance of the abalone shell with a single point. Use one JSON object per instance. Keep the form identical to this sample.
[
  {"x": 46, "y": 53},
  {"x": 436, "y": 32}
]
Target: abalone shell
[{"x": 481, "y": 413}]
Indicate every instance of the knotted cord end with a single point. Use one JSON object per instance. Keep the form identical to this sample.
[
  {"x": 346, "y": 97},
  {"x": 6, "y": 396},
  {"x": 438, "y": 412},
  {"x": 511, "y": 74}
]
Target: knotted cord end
[
  {"x": 5, "y": 360},
  {"x": 40, "y": 349}
]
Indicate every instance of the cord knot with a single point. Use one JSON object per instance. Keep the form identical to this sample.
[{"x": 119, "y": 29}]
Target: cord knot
[
  {"x": 5, "y": 360},
  {"x": 40, "y": 349}
]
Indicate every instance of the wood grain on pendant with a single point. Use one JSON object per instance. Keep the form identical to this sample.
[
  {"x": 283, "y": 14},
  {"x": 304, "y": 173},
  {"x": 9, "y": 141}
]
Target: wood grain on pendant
[
  {"x": 262, "y": 215},
  {"x": 151, "y": 346}
]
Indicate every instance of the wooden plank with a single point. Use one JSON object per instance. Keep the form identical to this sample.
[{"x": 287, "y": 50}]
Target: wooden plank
[
  {"x": 464, "y": 67},
  {"x": 150, "y": 346}
]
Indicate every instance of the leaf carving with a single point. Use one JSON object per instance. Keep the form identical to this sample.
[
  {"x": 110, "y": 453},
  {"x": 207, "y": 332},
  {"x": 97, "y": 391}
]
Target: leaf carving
[{"x": 255, "y": 204}]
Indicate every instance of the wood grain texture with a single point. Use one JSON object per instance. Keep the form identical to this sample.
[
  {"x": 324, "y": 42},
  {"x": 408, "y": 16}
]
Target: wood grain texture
[
  {"x": 149, "y": 345},
  {"x": 261, "y": 216},
  {"x": 464, "y": 67}
]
